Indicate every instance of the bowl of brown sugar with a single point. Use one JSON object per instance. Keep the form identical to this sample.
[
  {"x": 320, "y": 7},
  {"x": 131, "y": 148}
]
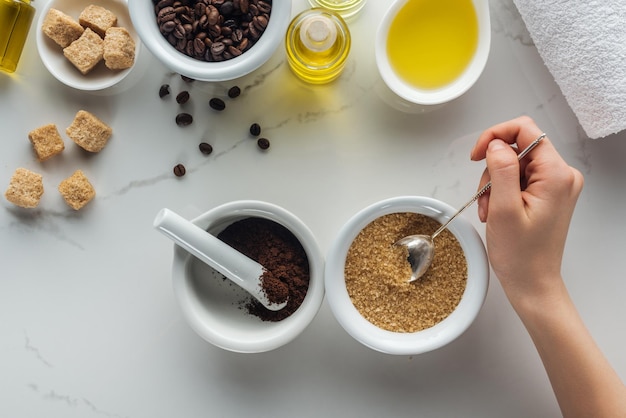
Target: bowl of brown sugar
[
  {"x": 224, "y": 314},
  {"x": 367, "y": 285}
]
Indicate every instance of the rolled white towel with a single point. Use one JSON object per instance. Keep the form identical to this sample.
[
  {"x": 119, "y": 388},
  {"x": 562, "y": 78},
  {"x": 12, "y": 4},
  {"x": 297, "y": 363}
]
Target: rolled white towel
[{"x": 583, "y": 44}]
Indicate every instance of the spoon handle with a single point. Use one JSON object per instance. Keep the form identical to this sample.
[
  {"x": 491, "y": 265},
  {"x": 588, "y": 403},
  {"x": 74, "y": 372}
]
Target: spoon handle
[{"x": 487, "y": 186}]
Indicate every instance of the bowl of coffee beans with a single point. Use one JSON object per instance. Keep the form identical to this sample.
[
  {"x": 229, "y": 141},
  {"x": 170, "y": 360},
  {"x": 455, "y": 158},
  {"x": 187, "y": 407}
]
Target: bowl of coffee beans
[
  {"x": 367, "y": 277},
  {"x": 224, "y": 314},
  {"x": 211, "y": 40}
]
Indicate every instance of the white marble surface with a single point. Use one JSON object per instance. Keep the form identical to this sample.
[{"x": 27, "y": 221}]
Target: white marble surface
[{"x": 88, "y": 323}]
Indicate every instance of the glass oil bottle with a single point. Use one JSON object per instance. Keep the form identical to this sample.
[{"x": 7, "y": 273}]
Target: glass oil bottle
[
  {"x": 346, "y": 8},
  {"x": 16, "y": 17},
  {"x": 317, "y": 44}
]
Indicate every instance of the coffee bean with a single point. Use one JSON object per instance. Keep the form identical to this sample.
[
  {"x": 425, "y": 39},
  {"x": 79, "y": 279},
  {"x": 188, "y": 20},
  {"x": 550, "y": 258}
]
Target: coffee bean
[
  {"x": 167, "y": 27},
  {"x": 260, "y": 22},
  {"x": 179, "y": 32},
  {"x": 164, "y": 90},
  {"x": 227, "y": 8},
  {"x": 212, "y": 14},
  {"x": 182, "y": 97},
  {"x": 244, "y": 45},
  {"x": 179, "y": 170},
  {"x": 255, "y": 129},
  {"x": 217, "y": 48},
  {"x": 234, "y": 91},
  {"x": 205, "y": 148},
  {"x": 200, "y": 9},
  {"x": 199, "y": 47},
  {"x": 263, "y": 143},
  {"x": 217, "y": 104},
  {"x": 184, "y": 119},
  {"x": 243, "y": 6},
  {"x": 187, "y": 79},
  {"x": 233, "y": 52},
  {"x": 164, "y": 3},
  {"x": 264, "y": 7},
  {"x": 165, "y": 14}
]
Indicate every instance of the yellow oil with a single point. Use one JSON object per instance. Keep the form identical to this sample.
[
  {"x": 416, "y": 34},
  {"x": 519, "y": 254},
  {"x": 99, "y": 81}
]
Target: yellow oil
[
  {"x": 15, "y": 20},
  {"x": 346, "y": 8},
  {"x": 317, "y": 66},
  {"x": 431, "y": 42}
]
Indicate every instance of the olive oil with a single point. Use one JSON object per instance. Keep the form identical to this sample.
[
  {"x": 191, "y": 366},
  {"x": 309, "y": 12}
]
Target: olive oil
[
  {"x": 317, "y": 45},
  {"x": 431, "y": 42},
  {"x": 346, "y": 8},
  {"x": 15, "y": 19}
]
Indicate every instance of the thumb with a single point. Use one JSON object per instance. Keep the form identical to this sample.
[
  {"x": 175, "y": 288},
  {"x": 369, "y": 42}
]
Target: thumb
[{"x": 504, "y": 171}]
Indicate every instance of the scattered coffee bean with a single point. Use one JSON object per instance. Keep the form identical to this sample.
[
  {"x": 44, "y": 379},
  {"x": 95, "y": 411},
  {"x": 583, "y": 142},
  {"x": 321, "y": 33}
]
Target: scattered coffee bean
[
  {"x": 187, "y": 79},
  {"x": 234, "y": 91},
  {"x": 255, "y": 129},
  {"x": 263, "y": 143},
  {"x": 184, "y": 119},
  {"x": 164, "y": 90},
  {"x": 182, "y": 97},
  {"x": 217, "y": 104},
  {"x": 205, "y": 148},
  {"x": 195, "y": 27},
  {"x": 179, "y": 170}
]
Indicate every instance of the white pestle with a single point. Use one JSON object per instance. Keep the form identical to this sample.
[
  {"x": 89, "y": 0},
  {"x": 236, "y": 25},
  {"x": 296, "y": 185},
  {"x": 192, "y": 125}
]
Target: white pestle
[{"x": 234, "y": 265}]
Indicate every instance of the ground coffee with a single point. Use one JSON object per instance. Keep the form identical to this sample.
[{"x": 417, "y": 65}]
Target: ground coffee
[{"x": 279, "y": 251}]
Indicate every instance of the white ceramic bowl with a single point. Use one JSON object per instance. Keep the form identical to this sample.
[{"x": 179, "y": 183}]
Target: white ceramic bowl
[
  {"x": 431, "y": 338},
  {"x": 436, "y": 96},
  {"x": 212, "y": 305},
  {"x": 52, "y": 56},
  {"x": 144, "y": 19}
]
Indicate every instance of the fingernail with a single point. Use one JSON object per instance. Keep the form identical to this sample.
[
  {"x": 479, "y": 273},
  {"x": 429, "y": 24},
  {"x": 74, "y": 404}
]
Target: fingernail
[
  {"x": 482, "y": 215},
  {"x": 496, "y": 145}
]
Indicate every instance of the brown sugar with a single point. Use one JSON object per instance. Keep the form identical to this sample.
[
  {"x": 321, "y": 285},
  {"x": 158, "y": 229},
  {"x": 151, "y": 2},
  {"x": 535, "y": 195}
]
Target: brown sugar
[
  {"x": 97, "y": 18},
  {"x": 377, "y": 273},
  {"x": 76, "y": 190},
  {"x": 89, "y": 132},
  {"x": 46, "y": 141},
  {"x": 25, "y": 188},
  {"x": 85, "y": 52},
  {"x": 119, "y": 49},
  {"x": 61, "y": 28}
]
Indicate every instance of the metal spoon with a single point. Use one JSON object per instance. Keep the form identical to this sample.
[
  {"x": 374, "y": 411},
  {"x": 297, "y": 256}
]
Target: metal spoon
[
  {"x": 234, "y": 265},
  {"x": 421, "y": 248}
]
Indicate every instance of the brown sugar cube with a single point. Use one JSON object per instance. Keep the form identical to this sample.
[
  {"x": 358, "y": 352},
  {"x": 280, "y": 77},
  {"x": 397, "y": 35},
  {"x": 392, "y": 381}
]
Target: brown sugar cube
[
  {"x": 89, "y": 132},
  {"x": 85, "y": 52},
  {"x": 25, "y": 188},
  {"x": 61, "y": 28},
  {"x": 47, "y": 141},
  {"x": 76, "y": 190},
  {"x": 119, "y": 49},
  {"x": 97, "y": 18}
]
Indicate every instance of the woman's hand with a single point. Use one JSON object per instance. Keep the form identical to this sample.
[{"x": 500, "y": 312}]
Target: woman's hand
[{"x": 528, "y": 209}]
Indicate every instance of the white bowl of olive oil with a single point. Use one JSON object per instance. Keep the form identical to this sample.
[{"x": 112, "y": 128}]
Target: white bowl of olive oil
[{"x": 431, "y": 52}]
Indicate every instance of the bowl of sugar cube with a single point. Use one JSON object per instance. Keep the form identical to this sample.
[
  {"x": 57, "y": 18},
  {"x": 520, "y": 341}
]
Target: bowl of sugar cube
[{"x": 87, "y": 45}]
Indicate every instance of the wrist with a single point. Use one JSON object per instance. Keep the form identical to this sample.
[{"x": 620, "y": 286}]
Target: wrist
[{"x": 548, "y": 299}]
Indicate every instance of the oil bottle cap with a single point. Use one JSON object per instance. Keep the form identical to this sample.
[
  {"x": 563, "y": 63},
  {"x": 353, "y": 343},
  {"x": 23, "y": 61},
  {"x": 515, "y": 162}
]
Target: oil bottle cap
[{"x": 318, "y": 33}]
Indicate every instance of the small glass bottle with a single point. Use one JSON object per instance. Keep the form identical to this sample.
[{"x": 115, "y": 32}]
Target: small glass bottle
[
  {"x": 317, "y": 44},
  {"x": 346, "y": 8},
  {"x": 16, "y": 17}
]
